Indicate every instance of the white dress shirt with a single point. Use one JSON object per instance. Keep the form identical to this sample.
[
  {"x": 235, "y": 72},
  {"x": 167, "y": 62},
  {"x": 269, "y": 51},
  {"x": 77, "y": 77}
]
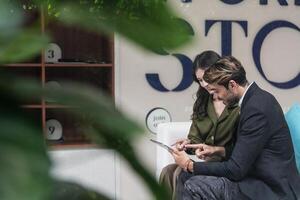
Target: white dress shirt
[{"x": 242, "y": 98}]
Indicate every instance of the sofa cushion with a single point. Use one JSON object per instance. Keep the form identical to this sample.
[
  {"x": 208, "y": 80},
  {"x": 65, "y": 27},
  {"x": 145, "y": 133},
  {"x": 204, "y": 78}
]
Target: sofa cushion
[{"x": 293, "y": 119}]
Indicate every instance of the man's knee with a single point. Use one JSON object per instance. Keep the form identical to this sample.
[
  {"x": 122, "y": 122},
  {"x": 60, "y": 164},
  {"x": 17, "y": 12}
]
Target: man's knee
[
  {"x": 205, "y": 187},
  {"x": 184, "y": 176},
  {"x": 193, "y": 184}
]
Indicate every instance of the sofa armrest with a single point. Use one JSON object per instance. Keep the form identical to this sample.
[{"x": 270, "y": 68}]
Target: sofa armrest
[{"x": 169, "y": 133}]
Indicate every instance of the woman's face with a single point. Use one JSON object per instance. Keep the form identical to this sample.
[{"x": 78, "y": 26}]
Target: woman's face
[{"x": 199, "y": 74}]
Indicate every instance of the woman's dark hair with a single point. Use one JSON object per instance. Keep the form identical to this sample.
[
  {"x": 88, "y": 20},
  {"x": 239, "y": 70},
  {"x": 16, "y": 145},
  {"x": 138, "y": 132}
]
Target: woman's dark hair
[{"x": 202, "y": 61}]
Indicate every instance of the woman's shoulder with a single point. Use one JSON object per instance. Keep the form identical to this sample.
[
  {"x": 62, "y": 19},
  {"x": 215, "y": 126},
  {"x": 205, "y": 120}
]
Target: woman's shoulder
[
  {"x": 233, "y": 107},
  {"x": 201, "y": 119},
  {"x": 233, "y": 110}
]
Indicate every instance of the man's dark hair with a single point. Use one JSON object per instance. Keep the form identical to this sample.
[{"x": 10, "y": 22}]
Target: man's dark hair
[{"x": 225, "y": 69}]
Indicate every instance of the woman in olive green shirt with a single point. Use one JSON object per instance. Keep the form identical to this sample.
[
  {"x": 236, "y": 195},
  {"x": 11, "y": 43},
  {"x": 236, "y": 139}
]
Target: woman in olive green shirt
[{"x": 213, "y": 123}]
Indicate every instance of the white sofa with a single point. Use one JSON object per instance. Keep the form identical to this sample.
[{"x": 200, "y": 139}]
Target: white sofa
[{"x": 169, "y": 133}]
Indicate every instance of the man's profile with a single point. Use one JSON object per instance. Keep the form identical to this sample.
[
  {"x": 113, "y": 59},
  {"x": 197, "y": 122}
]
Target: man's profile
[{"x": 262, "y": 164}]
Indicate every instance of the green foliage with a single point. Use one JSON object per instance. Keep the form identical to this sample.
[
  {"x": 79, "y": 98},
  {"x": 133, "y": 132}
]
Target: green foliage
[
  {"x": 16, "y": 42},
  {"x": 25, "y": 165},
  {"x": 24, "y": 162},
  {"x": 103, "y": 123},
  {"x": 72, "y": 191},
  {"x": 150, "y": 24},
  {"x": 19, "y": 48}
]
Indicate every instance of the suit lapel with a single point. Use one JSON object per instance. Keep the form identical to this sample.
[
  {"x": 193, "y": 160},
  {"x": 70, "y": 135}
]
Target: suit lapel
[{"x": 250, "y": 92}]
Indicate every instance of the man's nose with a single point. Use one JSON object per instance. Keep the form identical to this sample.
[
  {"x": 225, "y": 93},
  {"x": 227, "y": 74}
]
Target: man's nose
[{"x": 205, "y": 84}]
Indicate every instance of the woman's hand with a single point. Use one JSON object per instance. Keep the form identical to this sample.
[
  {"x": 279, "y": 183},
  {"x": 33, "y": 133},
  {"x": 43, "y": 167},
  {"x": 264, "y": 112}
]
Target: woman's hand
[
  {"x": 205, "y": 152},
  {"x": 181, "y": 143}
]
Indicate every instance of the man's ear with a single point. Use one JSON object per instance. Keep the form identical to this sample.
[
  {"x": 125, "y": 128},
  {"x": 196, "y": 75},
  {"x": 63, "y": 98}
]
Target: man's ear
[{"x": 232, "y": 84}]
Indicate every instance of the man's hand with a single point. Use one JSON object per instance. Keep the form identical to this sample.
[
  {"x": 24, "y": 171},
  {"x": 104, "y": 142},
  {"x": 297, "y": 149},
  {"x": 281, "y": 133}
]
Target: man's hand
[
  {"x": 181, "y": 158},
  {"x": 205, "y": 152},
  {"x": 180, "y": 144}
]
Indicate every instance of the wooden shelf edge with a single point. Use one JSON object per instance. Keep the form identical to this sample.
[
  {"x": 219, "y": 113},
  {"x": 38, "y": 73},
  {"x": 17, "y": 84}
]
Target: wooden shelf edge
[
  {"x": 46, "y": 106},
  {"x": 31, "y": 106},
  {"x": 22, "y": 65},
  {"x": 109, "y": 65},
  {"x": 57, "y": 106},
  {"x": 72, "y": 146}
]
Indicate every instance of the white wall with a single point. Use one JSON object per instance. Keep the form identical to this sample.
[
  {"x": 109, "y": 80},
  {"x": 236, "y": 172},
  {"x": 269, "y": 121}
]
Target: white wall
[
  {"x": 136, "y": 97},
  {"x": 93, "y": 168}
]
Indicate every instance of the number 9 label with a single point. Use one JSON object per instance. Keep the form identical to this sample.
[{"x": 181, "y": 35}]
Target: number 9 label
[{"x": 53, "y": 129}]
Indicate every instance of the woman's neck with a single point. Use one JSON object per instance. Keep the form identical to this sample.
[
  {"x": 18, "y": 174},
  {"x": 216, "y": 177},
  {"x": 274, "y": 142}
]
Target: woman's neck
[{"x": 218, "y": 106}]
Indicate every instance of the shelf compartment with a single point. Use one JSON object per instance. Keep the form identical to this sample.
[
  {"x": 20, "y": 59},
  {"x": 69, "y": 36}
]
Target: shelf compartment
[
  {"x": 36, "y": 115},
  {"x": 28, "y": 72},
  {"x": 71, "y": 128},
  {"x": 80, "y": 45},
  {"x": 30, "y": 19},
  {"x": 92, "y": 63},
  {"x": 100, "y": 78}
]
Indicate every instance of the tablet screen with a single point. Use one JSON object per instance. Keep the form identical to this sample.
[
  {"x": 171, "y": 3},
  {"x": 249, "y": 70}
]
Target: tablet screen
[{"x": 168, "y": 148}]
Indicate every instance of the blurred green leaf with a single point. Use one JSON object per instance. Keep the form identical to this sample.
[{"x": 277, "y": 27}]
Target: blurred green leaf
[
  {"x": 97, "y": 107},
  {"x": 26, "y": 44},
  {"x": 150, "y": 24},
  {"x": 10, "y": 17},
  {"x": 17, "y": 43},
  {"x": 71, "y": 191},
  {"x": 103, "y": 123},
  {"x": 24, "y": 162},
  {"x": 25, "y": 168}
]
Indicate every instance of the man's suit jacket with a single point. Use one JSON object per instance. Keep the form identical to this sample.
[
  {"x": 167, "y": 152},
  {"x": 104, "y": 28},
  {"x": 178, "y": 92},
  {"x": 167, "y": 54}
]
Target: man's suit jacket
[{"x": 262, "y": 161}]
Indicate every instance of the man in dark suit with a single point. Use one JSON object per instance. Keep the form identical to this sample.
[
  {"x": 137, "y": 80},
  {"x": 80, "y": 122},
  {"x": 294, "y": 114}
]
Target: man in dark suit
[{"x": 262, "y": 163}]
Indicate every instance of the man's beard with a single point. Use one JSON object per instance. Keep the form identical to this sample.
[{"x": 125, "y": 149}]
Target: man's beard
[{"x": 232, "y": 100}]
